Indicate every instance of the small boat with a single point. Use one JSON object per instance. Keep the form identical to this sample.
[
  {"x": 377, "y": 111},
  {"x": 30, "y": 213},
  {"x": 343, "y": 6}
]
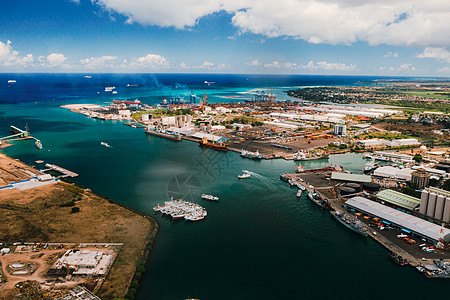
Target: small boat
[
  {"x": 105, "y": 144},
  {"x": 398, "y": 259},
  {"x": 114, "y": 92},
  {"x": 301, "y": 187},
  {"x": 209, "y": 197},
  {"x": 243, "y": 176},
  {"x": 38, "y": 144},
  {"x": 299, "y": 193},
  {"x": 11, "y": 81},
  {"x": 284, "y": 177},
  {"x": 245, "y": 171},
  {"x": 292, "y": 182}
]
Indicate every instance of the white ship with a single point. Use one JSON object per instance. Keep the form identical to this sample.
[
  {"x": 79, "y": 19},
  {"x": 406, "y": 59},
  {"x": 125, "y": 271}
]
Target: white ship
[
  {"x": 109, "y": 88},
  {"x": 105, "y": 144},
  {"x": 250, "y": 154},
  {"x": 243, "y": 176},
  {"x": 209, "y": 197}
]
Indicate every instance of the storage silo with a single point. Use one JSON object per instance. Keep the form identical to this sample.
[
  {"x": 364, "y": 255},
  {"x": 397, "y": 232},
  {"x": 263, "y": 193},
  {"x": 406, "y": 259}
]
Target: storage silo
[
  {"x": 431, "y": 204},
  {"x": 423, "y": 202},
  {"x": 439, "y": 211},
  {"x": 446, "y": 217}
]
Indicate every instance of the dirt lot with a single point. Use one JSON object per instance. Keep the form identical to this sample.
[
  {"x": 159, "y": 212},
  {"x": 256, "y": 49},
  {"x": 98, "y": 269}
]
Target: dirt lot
[
  {"x": 44, "y": 214},
  {"x": 413, "y": 129}
]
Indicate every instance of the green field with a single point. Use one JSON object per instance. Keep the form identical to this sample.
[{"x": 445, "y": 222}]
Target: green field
[{"x": 427, "y": 94}]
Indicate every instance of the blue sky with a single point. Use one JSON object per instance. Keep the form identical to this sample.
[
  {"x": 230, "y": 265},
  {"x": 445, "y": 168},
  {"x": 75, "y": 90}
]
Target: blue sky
[{"x": 382, "y": 37}]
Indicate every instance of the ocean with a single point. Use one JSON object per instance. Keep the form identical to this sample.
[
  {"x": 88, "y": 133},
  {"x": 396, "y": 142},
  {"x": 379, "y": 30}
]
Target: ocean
[{"x": 258, "y": 241}]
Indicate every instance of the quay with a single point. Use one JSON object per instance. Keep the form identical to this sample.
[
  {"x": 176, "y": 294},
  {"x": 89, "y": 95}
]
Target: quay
[
  {"x": 319, "y": 181},
  {"x": 66, "y": 173}
]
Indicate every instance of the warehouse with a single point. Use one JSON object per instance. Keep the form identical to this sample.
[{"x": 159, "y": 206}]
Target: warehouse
[
  {"x": 393, "y": 172},
  {"x": 418, "y": 226},
  {"x": 398, "y": 199}
]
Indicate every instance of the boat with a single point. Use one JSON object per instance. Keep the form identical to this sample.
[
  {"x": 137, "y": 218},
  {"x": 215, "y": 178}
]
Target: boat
[
  {"x": 88, "y": 76},
  {"x": 370, "y": 167},
  {"x": 315, "y": 197},
  {"x": 109, "y": 88},
  {"x": 284, "y": 177},
  {"x": 301, "y": 186},
  {"x": 105, "y": 144},
  {"x": 179, "y": 209},
  {"x": 292, "y": 182},
  {"x": 250, "y": 154},
  {"x": 245, "y": 171},
  {"x": 351, "y": 223},
  {"x": 398, "y": 259},
  {"x": 300, "y": 169},
  {"x": 11, "y": 81},
  {"x": 114, "y": 92},
  {"x": 213, "y": 145},
  {"x": 38, "y": 144},
  {"x": 210, "y": 197},
  {"x": 299, "y": 193},
  {"x": 162, "y": 133},
  {"x": 243, "y": 176}
]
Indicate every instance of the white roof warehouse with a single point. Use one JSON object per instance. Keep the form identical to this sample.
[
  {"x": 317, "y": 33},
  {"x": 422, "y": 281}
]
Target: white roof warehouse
[{"x": 417, "y": 225}]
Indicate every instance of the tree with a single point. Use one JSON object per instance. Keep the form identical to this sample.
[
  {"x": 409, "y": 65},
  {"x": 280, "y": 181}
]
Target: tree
[{"x": 418, "y": 157}]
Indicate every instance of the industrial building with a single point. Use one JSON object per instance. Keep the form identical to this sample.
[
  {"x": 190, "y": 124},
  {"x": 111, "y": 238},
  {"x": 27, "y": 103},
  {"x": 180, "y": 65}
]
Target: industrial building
[
  {"x": 435, "y": 203},
  {"x": 393, "y": 172},
  {"x": 340, "y": 176},
  {"x": 401, "y": 220},
  {"x": 420, "y": 178},
  {"x": 340, "y": 129},
  {"x": 85, "y": 262},
  {"x": 398, "y": 199}
]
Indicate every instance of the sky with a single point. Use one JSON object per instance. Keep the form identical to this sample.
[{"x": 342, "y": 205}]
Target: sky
[{"x": 329, "y": 37}]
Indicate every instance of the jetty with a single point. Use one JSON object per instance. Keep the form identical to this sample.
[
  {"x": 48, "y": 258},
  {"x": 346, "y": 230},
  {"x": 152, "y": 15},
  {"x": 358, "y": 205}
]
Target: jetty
[{"x": 65, "y": 172}]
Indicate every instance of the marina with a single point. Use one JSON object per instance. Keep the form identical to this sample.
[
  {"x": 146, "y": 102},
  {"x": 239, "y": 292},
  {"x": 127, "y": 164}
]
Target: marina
[{"x": 179, "y": 209}]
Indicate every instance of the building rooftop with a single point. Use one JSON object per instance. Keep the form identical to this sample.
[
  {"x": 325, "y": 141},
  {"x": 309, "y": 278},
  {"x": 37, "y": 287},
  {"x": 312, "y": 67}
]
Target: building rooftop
[
  {"x": 399, "y": 199},
  {"x": 407, "y": 221},
  {"x": 350, "y": 177}
]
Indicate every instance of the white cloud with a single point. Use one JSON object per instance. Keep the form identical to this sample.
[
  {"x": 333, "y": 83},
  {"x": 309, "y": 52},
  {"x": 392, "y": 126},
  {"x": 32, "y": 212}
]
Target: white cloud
[
  {"x": 323, "y": 65},
  {"x": 102, "y": 62},
  {"x": 394, "y": 22},
  {"x": 254, "y": 63},
  {"x": 403, "y": 68},
  {"x": 205, "y": 65},
  {"x": 153, "y": 60},
  {"x": 10, "y": 57},
  {"x": 438, "y": 53},
  {"x": 56, "y": 59},
  {"x": 391, "y": 54}
]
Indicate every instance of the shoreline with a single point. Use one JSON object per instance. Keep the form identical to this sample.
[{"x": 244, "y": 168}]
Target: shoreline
[{"x": 88, "y": 201}]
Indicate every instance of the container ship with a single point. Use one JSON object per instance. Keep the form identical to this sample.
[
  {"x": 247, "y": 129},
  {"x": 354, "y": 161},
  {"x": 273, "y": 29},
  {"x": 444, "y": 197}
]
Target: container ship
[
  {"x": 314, "y": 197},
  {"x": 353, "y": 224},
  {"x": 213, "y": 145},
  {"x": 162, "y": 133}
]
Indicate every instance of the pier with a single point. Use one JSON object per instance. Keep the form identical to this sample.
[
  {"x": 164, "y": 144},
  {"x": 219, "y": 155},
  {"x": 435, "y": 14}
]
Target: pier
[{"x": 66, "y": 173}]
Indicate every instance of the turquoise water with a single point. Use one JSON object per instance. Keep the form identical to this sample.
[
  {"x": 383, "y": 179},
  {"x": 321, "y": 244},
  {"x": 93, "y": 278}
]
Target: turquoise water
[{"x": 258, "y": 242}]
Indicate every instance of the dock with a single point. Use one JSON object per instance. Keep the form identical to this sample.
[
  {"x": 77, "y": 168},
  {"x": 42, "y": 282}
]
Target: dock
[{"x": 65, "y": 172}]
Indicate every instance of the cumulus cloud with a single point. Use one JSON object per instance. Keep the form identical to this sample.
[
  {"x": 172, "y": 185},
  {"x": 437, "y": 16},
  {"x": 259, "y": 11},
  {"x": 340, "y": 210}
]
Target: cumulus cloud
[
  {"x": 391, "y": 54},
  {"x": 438, "y": 53},
  {"x": 323, "y": 65},
  {"x": 152, "y": 60},
  {"x": 394, "y": 22},
  {"x": 254, "y": 63},
  {"x": 400, "y": 69},
  {"x": 56, "y": 59},
  {"x": 10, "y": 57},
  {"x": 101, "y": 62},
  {"x": 205, "y": 65}
]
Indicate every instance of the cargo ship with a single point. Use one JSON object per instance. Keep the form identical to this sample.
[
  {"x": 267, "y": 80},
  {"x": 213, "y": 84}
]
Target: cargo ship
[
  {"x": 351, "y": 223},
  {"x": 314, "y": 197},
  {"x": 162, "y": 133},
  {"x": 213, "y": 145}
]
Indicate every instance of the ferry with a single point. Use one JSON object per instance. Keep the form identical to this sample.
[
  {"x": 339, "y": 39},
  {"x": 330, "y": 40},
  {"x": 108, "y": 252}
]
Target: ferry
[
  {"x": 245, "y": 175},
  {"x": 250, "y": 154},
  {"x": 105, "y": 144},
  {"x": 38, "y": 144},
  {"x": 210, "y": 197},
  {"x": 213, "y": 145},
  {"x": 314, "y": 197},
  {"x": 353, "y": 224},
  {"x": 162, "y": 133}
]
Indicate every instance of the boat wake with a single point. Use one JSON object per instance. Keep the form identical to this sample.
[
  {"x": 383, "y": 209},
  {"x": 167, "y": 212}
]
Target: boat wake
[{"x": 267, "y": 182}]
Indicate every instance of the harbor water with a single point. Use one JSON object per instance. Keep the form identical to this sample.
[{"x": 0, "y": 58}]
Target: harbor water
[{"x": 258, "y": 241}]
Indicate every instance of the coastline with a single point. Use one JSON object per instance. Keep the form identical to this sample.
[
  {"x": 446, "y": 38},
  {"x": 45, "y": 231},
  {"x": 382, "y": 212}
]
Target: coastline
[{"x": 109, "y": 222}]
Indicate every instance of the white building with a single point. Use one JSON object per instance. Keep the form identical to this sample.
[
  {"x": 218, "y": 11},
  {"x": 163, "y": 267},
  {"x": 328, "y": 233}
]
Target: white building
[
  {"x": 393, "y": 172},
  {"x": 370, "y": 143},
  {"x": 85, "y": 262},
  {"x": 340, "y": 129}
]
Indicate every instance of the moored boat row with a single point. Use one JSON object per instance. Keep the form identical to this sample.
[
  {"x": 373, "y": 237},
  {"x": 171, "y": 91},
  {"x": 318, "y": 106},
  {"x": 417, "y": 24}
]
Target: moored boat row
[{"x": 179, "y": 209}]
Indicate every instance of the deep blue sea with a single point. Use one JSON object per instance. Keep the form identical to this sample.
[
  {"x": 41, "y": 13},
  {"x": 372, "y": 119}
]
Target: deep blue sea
[{"x": 258, "y": 242}]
